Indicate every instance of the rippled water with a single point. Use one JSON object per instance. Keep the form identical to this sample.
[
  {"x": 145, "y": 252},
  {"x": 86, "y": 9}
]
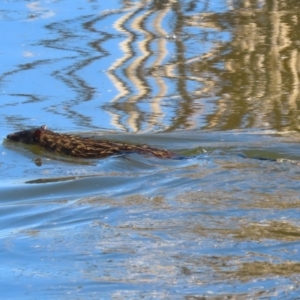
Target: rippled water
[
  {"x": 215, "y": 223},
  {"x": 220, "y": 223}
]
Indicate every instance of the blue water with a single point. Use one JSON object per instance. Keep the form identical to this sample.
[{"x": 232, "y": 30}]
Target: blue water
[{"x": 219, "y": 223}]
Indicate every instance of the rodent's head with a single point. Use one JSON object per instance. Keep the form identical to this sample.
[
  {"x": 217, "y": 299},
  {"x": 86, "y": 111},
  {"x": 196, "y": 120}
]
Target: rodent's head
[{"x": 30, "y": 136}]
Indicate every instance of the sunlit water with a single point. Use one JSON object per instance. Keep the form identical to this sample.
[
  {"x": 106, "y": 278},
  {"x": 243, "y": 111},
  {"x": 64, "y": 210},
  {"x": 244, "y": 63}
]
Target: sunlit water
[
  {"x": 132, "y": 226},
  {"x": 218, "y": 223}
]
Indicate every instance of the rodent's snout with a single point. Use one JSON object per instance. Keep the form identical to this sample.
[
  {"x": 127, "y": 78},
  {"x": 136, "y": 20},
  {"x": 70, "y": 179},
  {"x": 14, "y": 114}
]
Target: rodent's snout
[{"x": 10, "y": 137}]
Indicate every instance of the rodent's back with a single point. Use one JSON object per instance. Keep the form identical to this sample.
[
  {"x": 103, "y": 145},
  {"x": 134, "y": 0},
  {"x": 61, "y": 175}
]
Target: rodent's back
[
  {"x": 91, "y": 148},
  {"x": 82, "y": 147}
]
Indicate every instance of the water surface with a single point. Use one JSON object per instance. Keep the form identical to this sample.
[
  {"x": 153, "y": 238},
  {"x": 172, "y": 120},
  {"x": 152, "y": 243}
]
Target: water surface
[{"x": 216, "y": 82}]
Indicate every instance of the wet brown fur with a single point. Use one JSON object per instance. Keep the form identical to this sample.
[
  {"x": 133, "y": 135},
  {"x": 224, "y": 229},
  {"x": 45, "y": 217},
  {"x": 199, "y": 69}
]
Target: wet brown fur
[{"x": 77, "y": 146}]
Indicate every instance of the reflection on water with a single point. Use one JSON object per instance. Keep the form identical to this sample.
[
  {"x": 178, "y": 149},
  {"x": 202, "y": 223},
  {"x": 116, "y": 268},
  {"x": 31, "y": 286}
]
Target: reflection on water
[
  {"x": 146, "y": 66},
  {"x": 217, "y": 224}
]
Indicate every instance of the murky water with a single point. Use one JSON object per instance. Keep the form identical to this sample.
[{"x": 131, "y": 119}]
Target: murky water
[{"x": 216, "y": 82}]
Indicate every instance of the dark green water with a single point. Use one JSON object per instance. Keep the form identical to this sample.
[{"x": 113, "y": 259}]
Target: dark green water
[{"x": 214, "y": 81}]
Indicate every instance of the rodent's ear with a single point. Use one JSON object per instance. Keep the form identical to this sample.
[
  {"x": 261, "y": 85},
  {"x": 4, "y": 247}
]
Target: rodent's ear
[
  {"x": 43, "y": 127},
  {"x": 36, "y": 135}
]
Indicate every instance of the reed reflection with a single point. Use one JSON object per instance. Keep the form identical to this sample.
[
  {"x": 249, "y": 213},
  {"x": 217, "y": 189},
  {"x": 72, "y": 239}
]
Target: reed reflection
[
  {"x": 257, "y": 70},
  {"x": 170, "y": 64},
  {"x": 247, "y": 80}
]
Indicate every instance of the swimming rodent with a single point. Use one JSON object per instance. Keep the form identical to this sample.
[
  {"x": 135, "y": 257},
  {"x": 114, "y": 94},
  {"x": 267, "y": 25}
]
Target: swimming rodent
[{"x": 77, "y": 146}]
